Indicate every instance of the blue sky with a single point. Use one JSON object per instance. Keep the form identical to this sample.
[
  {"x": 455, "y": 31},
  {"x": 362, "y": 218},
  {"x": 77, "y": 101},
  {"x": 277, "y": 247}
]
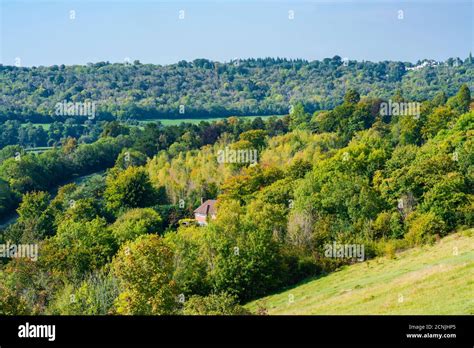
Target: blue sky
[{"x": 42, "y": 33}]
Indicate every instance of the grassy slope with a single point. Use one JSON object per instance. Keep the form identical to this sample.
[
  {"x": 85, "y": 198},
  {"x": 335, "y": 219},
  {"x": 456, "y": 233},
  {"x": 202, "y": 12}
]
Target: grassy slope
[{"x": 431, "y": 280}]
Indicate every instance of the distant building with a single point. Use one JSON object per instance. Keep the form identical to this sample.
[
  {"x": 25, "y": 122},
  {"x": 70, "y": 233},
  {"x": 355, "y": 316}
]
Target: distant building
[
  {"x": 425, "y": 64},
  {"x": 206, "y": 210}
]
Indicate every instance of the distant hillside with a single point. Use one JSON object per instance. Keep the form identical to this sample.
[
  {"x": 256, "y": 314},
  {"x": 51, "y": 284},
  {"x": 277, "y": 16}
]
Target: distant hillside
[
  {"x": 436, "y": 279},
  {"x": 203, "y": 88}
]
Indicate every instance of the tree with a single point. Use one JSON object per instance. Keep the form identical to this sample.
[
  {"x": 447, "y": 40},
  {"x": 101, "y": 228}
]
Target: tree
[
  {"x": 69, "y": 145},
  {"x": 298, "y": 168},
  {"x": 396, "y": 71},
  {"x": 114, "y": 129},
  {"x": 461, "y": 101},
  {"x": 351, "y": 97},
  {"x": 77, "y": 248},
  {"x": 130, "y": 157},
  {"x": 144, "y": 270},
  {"x": 135, "y": 223},
  {"x": 24, "y": 173},
  {"x": 446, "y": 199},
  {"x": 436, "y": 121},
  {"x": 464, "y": 98},
  {"x": 11, "y": 151},
  {"x": 409, "y": 130},
  {"x": 439, "y": 99},
  {"x": 7, "y": 198},
  {"x": 298, "y": 117},
  {"x": 191, "y": 267},
  {"x": 255, "y": 137},
  {"x": 130, "y": 188},
  {"x": 85, "y": 209},
  {"x": 245, "y": 260},
  {"x": 34, "y": 212}
]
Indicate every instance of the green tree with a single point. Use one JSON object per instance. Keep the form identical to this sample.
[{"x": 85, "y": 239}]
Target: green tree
[
  {"x": 437, "y": 121},
  {"x": 7, "y": 197},
  {"x": 130, "y": 188},
  {"x": 446, "y": 199},
  {"x": 85, "y": 209},
  {"x": 298, "y": 168},
  {"x": 461, "y": 101},
  {"x": 144, "y": 269},
  {"x": 351, "y": 97},
  {"x": 130, "y": 157},
  {"x": 77, "y": 248},
  {"x": 439, "y": 99},
  {"x": 464, "y": 98},
  {"x": 136, "y": 222},
  {"x": 34, "y": 211},
  {"x": 114, "y": 129},
  {"x": 191, "y": 267},
  {"x": 245, "y": 260},
  {"x": 255, "y": 137},
  {"x": 298, "y": 117}
]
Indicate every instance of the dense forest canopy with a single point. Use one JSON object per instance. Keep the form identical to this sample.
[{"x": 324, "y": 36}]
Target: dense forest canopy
[
  {"x": 203, "y": 88},
  {"x": 124, "y": 242}
]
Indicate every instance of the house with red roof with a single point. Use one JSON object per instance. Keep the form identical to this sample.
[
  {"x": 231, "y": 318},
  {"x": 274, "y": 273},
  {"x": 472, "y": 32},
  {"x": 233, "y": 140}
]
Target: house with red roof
[{"x": 205, "y": 211}]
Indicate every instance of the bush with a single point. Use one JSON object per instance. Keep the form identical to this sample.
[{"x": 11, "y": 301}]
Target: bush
[
  {"x": 381, "y": 225},
  {"x": 422, "y": 228},
  {"x": 11, "y": 303},
  {"x": 297, "y": 267},
  {"x": 94, "y": 296},
  {"x": 390, "y": 247},
  {"x": 214, "y": 304}
]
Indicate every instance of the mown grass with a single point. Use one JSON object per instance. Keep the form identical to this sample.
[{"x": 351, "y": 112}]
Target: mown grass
[
  {"x": 176, "y": 121},
  {"x": 436, "y": 279},
  {"x": 45, "y": 126},
  {"x": 172, "y": 121}
]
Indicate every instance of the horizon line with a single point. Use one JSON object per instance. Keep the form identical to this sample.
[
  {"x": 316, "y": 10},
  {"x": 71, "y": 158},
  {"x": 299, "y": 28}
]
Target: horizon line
[{"x": 131, "y": 62}]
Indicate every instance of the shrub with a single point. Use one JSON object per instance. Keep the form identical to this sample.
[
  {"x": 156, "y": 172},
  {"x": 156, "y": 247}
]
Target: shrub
[
  {"x": 94, "y": 296},
  {"x": 381, "y": 225},
  {"x": 214, "y": 304},
  {"x": 11, "y": 303},
  {"x": 423, "y": 228}
]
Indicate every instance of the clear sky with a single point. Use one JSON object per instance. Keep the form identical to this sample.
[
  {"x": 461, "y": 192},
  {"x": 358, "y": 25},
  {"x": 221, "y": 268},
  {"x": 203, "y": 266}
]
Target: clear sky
[{"x": 43, "y": 32}]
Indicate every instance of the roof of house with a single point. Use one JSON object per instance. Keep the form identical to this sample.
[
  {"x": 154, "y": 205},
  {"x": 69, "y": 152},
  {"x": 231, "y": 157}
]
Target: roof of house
[{"x": 208, "y": 207}]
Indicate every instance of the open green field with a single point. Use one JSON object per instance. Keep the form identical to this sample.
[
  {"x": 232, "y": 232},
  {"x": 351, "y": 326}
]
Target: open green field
[
  {"x": 45, "y": 126},
  {"x": 170, "y": 122},
  {"x": 437, "y": 279},
  {"x": 39, "y": 149},
  {"x": 173, "y": 121}
]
